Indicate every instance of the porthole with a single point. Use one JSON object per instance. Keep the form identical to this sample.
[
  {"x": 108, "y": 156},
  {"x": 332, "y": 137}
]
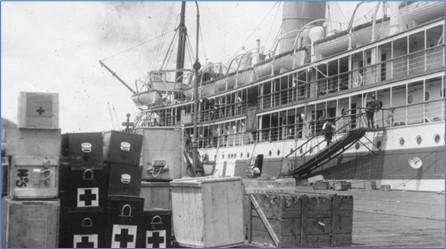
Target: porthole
[
  {"x": 437, "y": 138},
  {"x": 357, "y": 146},
  {"x": 270, "y": 153},
  {"x": 419, "y": 139},
  {"x": 402, "y": 141},
  {"x": 278, "y": 152}
]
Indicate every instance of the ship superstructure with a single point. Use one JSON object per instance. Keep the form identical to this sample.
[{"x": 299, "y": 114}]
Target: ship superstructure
[{"x": 275, "y": 103}]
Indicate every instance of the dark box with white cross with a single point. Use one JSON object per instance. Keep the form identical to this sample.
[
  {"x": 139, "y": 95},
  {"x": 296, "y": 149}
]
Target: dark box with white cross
[
  {"x": 83, "y": 186},
  {"x": 82, "y": 228},
  {"x": 129, "y": 226}
]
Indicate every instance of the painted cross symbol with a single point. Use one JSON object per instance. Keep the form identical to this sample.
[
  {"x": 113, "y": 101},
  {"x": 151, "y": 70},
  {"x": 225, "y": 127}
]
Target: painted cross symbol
[
  {"x": 123, "y": 238},
  {"x": 128, "y": 124},
  {"x": 155, "y": 240},
  {"x": 85, "y": 243},
  {"x": 40, "y": 110},
  {"x": 87, "y": 197}
]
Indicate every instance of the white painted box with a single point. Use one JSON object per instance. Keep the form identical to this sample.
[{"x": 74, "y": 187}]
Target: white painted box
[{"x": 38, "y": 110}]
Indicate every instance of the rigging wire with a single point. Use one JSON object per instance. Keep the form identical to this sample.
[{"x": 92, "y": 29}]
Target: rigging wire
[
  {"x": 203, "y": 48},
  {"x": 257, "y": 27},
  {"x": 169, "y": 51},
  {"x": 162, "y": 42},
  {"x": 342, "y": 12},
  {"x": 272, "y": 24},
  {"x": 190, "y": 50},
  {"x": 136, "y": 46}
]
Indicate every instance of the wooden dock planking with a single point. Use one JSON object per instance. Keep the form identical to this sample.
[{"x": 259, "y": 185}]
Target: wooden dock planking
[
  {"x": 395, "y": 218},
  {"x": 387, "y": 230}
]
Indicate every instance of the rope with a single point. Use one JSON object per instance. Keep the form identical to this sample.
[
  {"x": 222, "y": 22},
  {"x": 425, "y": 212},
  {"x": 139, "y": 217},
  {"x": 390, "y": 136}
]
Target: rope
[
  {"x": 136, "y": 46},
  {"x": 169, "y": 51}
]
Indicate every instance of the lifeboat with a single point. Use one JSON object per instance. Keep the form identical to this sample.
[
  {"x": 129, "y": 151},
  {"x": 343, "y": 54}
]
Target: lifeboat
[{"x": 147, "y": 98}]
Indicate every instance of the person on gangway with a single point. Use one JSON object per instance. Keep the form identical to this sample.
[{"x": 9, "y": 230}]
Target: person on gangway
[{"x": 328, "y": 130}]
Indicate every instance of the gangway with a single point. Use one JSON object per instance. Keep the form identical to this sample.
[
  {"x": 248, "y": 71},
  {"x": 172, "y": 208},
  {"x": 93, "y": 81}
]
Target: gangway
[{"x": 308, "y": 163}]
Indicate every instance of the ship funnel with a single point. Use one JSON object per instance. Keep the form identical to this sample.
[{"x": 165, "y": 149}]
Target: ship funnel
[
  {"x": 295, "y": 15},
  {"x": 395, "y": 21}
]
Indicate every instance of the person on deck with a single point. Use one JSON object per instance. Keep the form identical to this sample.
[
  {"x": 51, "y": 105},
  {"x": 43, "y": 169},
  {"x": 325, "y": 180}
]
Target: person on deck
[
  {"x": 327, "y": 130},
  {"x": 370, "y": 109}
]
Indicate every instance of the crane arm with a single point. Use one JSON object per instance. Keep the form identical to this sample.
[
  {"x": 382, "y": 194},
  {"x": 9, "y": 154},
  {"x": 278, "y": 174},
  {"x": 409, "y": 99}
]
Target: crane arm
[{"x": 117, "y": 77}]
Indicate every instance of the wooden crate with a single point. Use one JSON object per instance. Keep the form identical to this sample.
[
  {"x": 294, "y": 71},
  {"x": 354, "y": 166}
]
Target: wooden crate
[
  {"x": 156, "y": 195},
  {"x": 276, "y": 167},
  {"x": 207, "y": 211},
  {"x": 35, "y": 142},
  {"x": 30, "y": 223},
  {"x": 34, "y": 177},
  {"x": 38, "y": 110},
  {"x": 162, "y": 153},
  {"x": 342, "y": 185},
  {"x": 321, "y": 185},
  {"x": 300, "y": 220}
]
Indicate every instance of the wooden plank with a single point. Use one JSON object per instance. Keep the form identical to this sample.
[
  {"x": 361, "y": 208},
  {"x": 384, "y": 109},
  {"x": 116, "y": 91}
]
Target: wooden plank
[{"x": 264, "y": 220}]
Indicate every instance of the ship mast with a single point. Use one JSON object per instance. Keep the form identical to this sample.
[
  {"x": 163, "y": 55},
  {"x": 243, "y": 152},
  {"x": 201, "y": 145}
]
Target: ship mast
[{"x": 182, "y": 33}]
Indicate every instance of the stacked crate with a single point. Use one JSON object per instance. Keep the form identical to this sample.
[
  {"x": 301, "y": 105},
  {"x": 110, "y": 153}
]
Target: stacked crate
[
  {"x": 83, "y": 191},
  {"x": 124, "y": 206},
  {"x": 129, "y": 223},
  {"x": 32, "y": 207},
  {"x": 162, "y": 161},
  {"x": 287, "y": 219}
]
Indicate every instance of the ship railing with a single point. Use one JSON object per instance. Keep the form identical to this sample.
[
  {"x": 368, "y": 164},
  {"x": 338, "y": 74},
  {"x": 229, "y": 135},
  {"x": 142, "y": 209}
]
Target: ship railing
[
  {"x": 232, "y": 136},
  {"x": 401, "y": 67},
  {"x": 222, "y": 111},
  {"x": 412, "y": 114}
]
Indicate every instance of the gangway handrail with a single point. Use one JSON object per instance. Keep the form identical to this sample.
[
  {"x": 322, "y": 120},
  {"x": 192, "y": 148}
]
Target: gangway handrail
[{"x": 336, "y": 131}]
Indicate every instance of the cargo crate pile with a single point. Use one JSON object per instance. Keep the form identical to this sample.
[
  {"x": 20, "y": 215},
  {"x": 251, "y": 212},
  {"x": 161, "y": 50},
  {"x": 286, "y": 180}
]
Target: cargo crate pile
[
  {"x": 101, "y": 203},
  {"x": 31, "y": 208},
  {"x": 125, "y": 190},
  {"x": 78, "y": 189}
]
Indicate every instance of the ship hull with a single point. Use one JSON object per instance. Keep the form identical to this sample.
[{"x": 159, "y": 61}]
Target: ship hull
[{"x": 391, "y": 164}]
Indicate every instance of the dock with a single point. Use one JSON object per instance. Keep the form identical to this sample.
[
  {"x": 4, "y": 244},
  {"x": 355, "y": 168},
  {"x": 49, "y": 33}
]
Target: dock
[{"x": 395, "y": 218}]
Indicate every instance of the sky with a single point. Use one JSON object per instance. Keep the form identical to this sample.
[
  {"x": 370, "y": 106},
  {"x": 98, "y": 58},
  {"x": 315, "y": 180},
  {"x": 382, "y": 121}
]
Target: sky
[{"x": 56, "y": 46}]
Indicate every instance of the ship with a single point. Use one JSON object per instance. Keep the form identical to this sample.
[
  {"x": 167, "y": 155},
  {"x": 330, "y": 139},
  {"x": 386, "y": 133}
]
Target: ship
[{"x": 273, "y": 104}]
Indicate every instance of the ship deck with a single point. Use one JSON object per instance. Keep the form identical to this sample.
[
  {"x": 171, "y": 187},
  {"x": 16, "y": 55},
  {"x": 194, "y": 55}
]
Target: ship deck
[{"x": 395, "y": 218}]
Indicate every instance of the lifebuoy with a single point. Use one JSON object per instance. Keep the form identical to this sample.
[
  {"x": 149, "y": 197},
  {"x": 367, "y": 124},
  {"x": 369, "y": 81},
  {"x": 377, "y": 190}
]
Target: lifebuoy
[{"x": 357, "y": 80}]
